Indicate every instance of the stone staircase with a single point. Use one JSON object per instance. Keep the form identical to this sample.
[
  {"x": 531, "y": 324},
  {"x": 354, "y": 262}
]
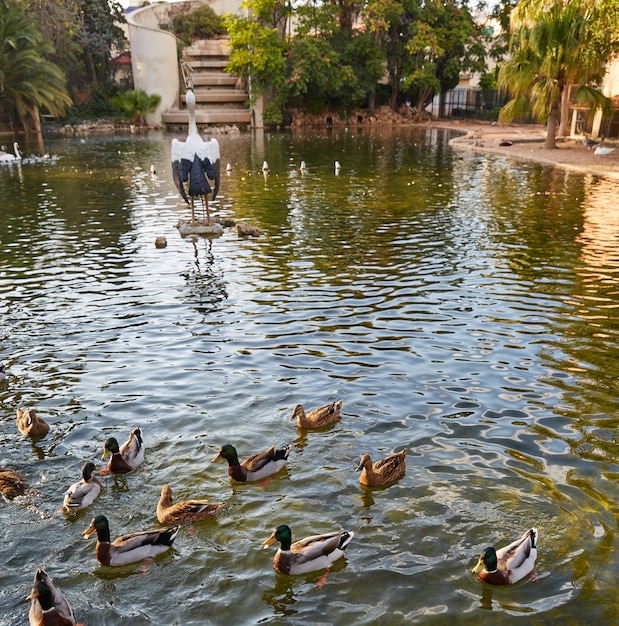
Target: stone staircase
[{"x": 221, "y": 98}]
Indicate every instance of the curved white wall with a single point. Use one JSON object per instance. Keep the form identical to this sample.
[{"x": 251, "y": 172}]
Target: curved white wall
[{"x": 154, "y": 58}]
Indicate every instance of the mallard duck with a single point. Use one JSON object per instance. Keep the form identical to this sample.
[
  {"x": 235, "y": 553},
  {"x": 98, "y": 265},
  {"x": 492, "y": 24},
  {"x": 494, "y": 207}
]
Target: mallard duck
[
  {"x": 126, "y": 458},
  {"x": 48, "y": 607},
  {"x": 323, "y": 415},
  {"x": 309, "y": 554},
  {"x": 184, "y": 511},
  {"x": 128, "y": 548},
  {"x": 30, "y": 424},
  {"x": 255, "y": 467},
  {"x": 510, "y": 564},
  {"x": 11, "y": 483},
  {"x": 383, "y": 472},
  {"x": 84, "y": 492}
]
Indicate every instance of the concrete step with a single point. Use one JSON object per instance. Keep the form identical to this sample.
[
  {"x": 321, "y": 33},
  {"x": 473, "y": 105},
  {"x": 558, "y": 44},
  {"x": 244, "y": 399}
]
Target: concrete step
[
  {"x": 214, "y": 79},
  {"x": 207, "y": 63},
  {"x": 208, "y": 116},
  {"x": 206, "y": 96},
  {"x": 207, "y": 47}
]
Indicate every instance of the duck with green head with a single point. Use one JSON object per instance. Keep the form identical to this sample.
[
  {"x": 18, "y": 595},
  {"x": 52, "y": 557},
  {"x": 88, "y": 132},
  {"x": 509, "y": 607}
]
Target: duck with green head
[
  {"x": 255, "y": 467},
  {"x": 48, "y": 605},
  {"x": 124, "y": 458},
  {"x": 129, "y": 548},
  {"x": 509, "y": 564},
  {"x": 310, "y": 554}
]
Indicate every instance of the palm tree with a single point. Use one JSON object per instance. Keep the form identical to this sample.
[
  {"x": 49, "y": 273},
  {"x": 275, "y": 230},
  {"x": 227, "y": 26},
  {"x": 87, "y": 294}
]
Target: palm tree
[
  {"x": 27, "y": 80},
  {"x": 551, "y": 50}
]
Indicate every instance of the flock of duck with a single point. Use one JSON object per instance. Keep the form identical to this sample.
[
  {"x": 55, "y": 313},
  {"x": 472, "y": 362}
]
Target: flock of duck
[{"x": 317, "y": 552}]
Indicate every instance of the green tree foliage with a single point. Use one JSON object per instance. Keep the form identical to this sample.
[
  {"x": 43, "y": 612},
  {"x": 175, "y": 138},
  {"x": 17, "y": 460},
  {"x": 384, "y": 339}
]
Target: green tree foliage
[
  {"x": 59, "y": 23},
  {"x": 427, "y": 44},
  {"x": 85, "y": 35},
  {"x": 100, "y": 36},
  {"x": 135, "y": 105},
  {"x": 321, "y": 66},
  {"x": 28, "y": 80},
  {"x": 552, "y": 49},
  {"x": 203, "y": 23}
]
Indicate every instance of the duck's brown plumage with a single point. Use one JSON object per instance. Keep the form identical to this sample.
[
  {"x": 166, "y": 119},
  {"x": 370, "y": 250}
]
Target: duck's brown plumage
[
  {"x": 184, "y": 511},
  {"x": 11, "y": 483},
  {"x": 315, "y": 418},
  {"x": 382, "y": 472},
  {"x": 30, "y": 424}
]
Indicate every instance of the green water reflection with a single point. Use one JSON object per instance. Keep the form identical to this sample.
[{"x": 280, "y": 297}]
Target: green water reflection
[{"x": 463, "y": 306}]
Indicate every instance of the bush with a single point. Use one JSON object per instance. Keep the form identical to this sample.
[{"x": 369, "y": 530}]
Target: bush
[
  {"x": 135, "y": 105},
  {"x": 203, "y": 23}
]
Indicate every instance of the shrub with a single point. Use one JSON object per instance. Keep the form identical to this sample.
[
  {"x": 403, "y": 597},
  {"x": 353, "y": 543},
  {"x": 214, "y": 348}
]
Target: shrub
[
  {"x": 136, "y": 105},
  {"x": 203, "y": 23}
]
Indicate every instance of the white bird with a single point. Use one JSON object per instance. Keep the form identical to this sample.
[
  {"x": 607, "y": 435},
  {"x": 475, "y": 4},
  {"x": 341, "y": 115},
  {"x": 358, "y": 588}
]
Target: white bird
[
  {"x": 303, "y": 166},
  {"x": 265, "y": 167},
  {"x": 337, "y": 167},
  {"x": 229, "y": 167},
  {"x": 602, "y": 150},
  {"x": 7, "y": 157},
  {"x": 195, "y": 161}
]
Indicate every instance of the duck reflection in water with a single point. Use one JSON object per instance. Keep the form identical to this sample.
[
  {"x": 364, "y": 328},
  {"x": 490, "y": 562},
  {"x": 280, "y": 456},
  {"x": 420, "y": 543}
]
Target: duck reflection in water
[{"x": 281, "y": 597}]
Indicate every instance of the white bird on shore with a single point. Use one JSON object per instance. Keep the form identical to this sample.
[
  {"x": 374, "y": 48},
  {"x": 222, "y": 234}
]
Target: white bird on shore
[
  {"x": 603, "y": 150},
  {"x": 337, "y": 167}
]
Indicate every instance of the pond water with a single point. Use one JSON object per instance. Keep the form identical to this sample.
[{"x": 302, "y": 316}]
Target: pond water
[{"x": 464, "y": 307}]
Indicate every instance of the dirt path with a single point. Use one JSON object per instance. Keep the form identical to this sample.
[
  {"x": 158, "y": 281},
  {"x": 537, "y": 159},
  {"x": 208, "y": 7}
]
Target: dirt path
[{"x": 527, "y": 143}]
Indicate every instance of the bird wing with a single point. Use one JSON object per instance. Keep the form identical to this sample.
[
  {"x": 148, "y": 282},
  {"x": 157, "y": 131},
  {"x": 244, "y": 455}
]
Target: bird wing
[
  {"x": 210, "y": 150},
  {"x": 177, "y": 175},
  {"x": 259, "y": 460},
  {"x": 59, "y": 601},
  {"x": 78, "y": 491},
  {"x": 132, "y": 450},
  {"x": 134, "y": 541},
  {"x": 315, "y": 546},
  {"x": 512, "y": 556}
]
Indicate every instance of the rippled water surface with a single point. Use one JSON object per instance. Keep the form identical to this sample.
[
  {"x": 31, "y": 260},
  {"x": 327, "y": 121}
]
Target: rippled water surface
[{"x": 464, "y": 307}]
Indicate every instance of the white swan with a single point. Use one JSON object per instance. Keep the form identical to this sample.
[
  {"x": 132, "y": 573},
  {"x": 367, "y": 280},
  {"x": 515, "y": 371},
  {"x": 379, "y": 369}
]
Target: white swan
[{"x": 7, "y": 157}]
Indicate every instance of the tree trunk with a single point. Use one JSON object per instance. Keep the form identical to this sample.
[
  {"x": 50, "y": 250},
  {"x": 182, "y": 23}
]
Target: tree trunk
[
  {"x": 565, "y": 111},
  {"x": 551, "y": 127},
  {"x": 395, "y": 92}
]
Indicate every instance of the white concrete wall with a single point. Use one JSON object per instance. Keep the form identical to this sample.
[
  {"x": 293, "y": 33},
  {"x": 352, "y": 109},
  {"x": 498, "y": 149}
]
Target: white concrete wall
[{"x": 154, "y": 57}]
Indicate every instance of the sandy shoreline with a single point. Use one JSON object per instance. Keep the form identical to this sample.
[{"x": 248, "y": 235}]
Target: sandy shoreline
[{"x": 527, "y": 143}]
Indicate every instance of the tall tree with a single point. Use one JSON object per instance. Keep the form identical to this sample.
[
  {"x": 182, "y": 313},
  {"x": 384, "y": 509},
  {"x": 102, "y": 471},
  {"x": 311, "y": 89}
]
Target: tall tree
[
  {"x": 100, "y": 36},
  {"x": 552, "y": 49},
  {"x": 427, "y": 43},
  {"x": 28, "y": 80}
]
